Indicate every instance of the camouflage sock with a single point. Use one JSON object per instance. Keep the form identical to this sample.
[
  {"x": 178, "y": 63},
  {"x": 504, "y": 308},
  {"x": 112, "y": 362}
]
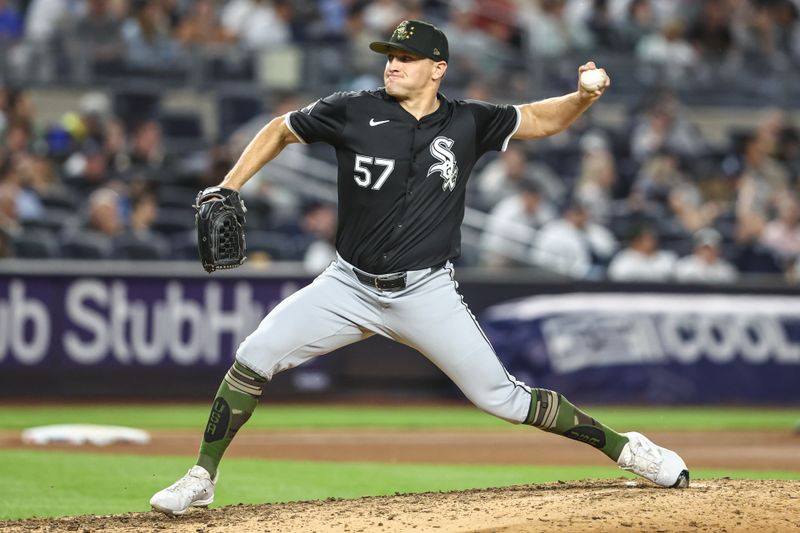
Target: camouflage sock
[
  {"x": 236, "y": 400},
  {"x": 552, "y": 412}
]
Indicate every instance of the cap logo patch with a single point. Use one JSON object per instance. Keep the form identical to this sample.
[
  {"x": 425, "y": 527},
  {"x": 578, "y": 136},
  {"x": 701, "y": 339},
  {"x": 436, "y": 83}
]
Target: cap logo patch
[
  {"x": 436, "y": 52},
  {"x": 401, "y": 33}
]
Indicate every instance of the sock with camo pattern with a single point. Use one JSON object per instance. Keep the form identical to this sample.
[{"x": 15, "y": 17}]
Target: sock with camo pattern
[
  {"x": 236, "y": 400},
  {"x": 553, "y": 413}
]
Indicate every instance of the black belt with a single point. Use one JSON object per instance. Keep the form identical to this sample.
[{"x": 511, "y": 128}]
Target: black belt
[{"x": 388, "y": 282}]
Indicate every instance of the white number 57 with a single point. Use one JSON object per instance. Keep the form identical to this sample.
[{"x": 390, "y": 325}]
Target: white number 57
[{"x": 363, "y": 176}]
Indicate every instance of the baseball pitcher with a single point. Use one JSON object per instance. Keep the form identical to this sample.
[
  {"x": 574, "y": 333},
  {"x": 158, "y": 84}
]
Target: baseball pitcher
[{"x": 405, "y": 152}]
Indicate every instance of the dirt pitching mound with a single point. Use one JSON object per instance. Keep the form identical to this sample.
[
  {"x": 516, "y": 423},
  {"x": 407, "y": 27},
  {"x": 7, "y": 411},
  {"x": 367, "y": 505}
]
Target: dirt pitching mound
[{"x": 609, "y": 505}]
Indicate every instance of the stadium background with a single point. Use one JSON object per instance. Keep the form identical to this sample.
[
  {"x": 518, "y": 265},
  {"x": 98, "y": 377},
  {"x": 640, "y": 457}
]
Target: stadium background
[{"x": 682, "y": 181}]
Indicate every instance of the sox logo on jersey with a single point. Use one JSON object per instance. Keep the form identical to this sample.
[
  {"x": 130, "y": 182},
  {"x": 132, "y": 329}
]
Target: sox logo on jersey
[{"x": 440, "y": 149}]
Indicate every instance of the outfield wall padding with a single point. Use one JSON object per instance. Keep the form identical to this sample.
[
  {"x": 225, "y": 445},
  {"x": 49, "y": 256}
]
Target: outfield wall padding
[{"x": 159, "y": 331}]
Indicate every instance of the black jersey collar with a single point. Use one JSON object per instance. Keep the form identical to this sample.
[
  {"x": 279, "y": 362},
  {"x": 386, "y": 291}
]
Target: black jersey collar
[{"x": 444, "y": 103}]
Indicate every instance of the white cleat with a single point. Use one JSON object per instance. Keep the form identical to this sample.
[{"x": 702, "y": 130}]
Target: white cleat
[
  {"x": 195, "y": 489},
  {"x": 660, "y": 465}
]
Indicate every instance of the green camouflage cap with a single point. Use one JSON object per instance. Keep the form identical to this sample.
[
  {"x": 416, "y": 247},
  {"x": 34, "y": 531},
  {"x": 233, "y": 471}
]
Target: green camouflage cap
[{"x": 417, "y": 37}]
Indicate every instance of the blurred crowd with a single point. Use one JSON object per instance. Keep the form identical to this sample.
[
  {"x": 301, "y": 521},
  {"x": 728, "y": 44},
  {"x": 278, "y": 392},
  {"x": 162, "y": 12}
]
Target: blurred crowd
[
  {"x": 681, "y": 39},
  {"x": 648, "y": 200}
]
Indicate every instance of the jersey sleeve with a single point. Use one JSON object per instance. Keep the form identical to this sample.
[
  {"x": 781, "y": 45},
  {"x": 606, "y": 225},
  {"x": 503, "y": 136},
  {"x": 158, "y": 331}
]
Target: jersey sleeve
[
  {"x": 494, "y": 125},
  {"x": 321, "y": 121}
]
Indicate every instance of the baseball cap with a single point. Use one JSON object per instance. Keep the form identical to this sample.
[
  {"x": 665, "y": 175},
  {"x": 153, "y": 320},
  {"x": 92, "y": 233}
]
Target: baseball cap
[{"x": 416, "y": 37}]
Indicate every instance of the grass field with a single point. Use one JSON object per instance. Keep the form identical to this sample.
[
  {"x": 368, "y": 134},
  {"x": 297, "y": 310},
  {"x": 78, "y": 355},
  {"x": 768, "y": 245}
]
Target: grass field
[
  {"x": 47, "y": 483},
  {"x": 182, "y": 416}
]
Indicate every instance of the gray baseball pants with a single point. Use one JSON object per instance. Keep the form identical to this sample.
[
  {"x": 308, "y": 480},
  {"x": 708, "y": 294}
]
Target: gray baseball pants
[{"x": 429, "y": 314}]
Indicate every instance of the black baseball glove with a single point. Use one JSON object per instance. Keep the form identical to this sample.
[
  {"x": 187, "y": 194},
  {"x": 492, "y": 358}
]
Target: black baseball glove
[{"x": 220, "y": 228}]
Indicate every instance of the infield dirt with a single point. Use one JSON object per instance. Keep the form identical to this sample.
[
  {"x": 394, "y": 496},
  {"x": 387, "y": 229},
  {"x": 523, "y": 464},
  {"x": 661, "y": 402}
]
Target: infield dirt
[
  {"x": 609, "y": 505},
  {"x": 605, "y": 505}
]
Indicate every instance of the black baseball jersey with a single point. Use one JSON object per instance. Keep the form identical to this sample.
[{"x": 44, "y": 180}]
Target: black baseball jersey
[{"x": 402, "y": 181}]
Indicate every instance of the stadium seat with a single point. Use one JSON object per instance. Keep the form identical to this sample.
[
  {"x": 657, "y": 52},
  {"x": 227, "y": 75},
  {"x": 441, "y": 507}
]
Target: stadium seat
[
  {"x": 36, "y": 244},
  {"x": 86, "y": 245},
  {"x": 182, "y": 131},
  {"x": 133, "y": 106},
  {"x": 174, "y": 220},
  {"x": 233, "y": 110},
  {"x": 131, "y": 246},
  {"x": 278, "y": 246},
  {"x": 184, "y": 245},
  {"x": 59, "y": 199},
  {"x": 175, "y": 196},
  {"x": 53, "y": 219}
]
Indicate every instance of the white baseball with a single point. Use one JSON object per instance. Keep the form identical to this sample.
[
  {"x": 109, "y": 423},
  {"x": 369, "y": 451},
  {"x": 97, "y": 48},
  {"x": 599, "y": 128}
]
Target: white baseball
[{"x": 592, "y": 80}]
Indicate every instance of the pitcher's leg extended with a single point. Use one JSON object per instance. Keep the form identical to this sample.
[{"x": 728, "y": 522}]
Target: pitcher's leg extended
[
  {"x": 312, "y": 322},
  {"x": 438, "y": 323},
  {"x": 552, "y": 412}
]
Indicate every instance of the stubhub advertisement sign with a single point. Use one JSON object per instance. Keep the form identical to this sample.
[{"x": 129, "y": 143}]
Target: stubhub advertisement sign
[
  {"x": 130, "y": 321},
  {"x": 653, "y": 348}
]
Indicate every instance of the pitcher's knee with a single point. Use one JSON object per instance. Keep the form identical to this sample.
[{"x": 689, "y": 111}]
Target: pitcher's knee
[{"x": 511, "y": 408}]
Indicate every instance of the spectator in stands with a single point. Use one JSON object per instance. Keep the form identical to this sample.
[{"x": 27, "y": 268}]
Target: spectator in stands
[
  {"x": 756, "y": 33},
  {"x": 665, "y": 188},
  {"x": 202, "y": 26},
  {"x": 11, "y": 22},
  {"x": 138, "y": 240},
  {"x": 38, "y": 176},
  {"x": 44, "y": 18},
  {"x": 762, "y": 182},
  {"x": 97, "y": 38},
  {"x": 147, "y": 152},
  {"x": 705, "y": 265},
  {"x": 144, "y": 211},
  {"x": 498, "y": 20},
  {"x": 663, "y": 126},
  {"x": 512, "y": 224},
  {"x": 550, "y": 35},
  {"x": 598, "y": 175},
  {"x": 468, "y": 43},
  {"x": 248, "y": 19},
  {"x": 638, "y": 22},
  {"x": 20, "y": 108},
  {"x": 788, "y": 152},
  {"x": 319, "y": 224},
  {"x": 265, "y": 186},
  {"x": 359, "y": 35},
  {"x": 482, "y": 45},
  {"x": 9, "y": 217},
  {"x": 88, "y": 123},
  {"x": 710, "y": 33},
  {"x": 381, "y": 16},
  {"x": 782, "y": 234},
  {"x": 600, "y": 23},
  {"x": 18, "y": 138},
  {"x": 148, "y": 42},
  {"x": 6, "y": 244},
  {"x": 103, "y": 213},
  {"x": 641, "y": 260},
  {"x": 501, "y": 178},
  {"x": 87, "y": 169},
  {"x": 787, "y": 15},
  {"x": 574, "y": 246},
  {"x": 115, "y": 146},
  {"x": 36, "y": 57},
  {"x": 28, "y": 204},
  {"x": 670, "y": 57}
]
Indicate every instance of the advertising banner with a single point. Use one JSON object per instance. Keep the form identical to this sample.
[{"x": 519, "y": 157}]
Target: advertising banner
[
  {"x": 132, "y": 322},
  {"x": 653, "y": 348}
]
